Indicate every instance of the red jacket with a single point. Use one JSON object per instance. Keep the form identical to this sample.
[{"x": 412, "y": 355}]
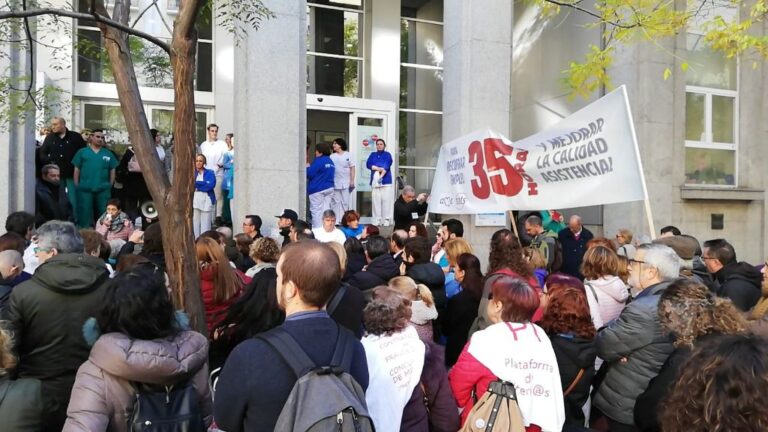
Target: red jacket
[
  {"x": 469, "y": 375},
  {"x": 215, "y": 312}
]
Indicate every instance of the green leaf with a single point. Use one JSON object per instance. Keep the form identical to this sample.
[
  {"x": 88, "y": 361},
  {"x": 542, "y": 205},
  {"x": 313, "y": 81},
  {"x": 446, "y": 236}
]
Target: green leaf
[
  {"x": 684, "y": 67},
  {"x": 667, "y": 73}
]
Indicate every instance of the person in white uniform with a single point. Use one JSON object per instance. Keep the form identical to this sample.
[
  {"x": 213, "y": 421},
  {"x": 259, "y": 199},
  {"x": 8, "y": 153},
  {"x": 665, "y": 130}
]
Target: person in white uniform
[
  {"x": 214, "y": 149},
  {"x": 328, "y": 231},
  {"x": 343, "y": 177}
]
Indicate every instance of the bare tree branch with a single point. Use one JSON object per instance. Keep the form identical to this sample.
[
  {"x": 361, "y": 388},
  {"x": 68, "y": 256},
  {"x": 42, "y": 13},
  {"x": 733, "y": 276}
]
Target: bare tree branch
[
  {"x": 141, "y": 14},
  {"x": 95, "y": 17},
  {"x": 575, "y": 5},
  {"x": 31, "y": 57}
]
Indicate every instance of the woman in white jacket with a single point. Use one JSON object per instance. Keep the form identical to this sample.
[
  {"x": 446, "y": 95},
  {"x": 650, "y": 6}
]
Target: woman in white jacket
[{"x": 606, "y": 292}]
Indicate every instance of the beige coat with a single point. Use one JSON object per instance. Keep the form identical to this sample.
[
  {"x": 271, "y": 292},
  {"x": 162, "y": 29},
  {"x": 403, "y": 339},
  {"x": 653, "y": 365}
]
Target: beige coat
[{"x": 102, "y": 397}]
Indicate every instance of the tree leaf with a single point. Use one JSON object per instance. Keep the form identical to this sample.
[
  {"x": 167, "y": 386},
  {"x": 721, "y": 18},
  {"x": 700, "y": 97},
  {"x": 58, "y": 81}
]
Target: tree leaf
[{"x": 667, "y": 73}]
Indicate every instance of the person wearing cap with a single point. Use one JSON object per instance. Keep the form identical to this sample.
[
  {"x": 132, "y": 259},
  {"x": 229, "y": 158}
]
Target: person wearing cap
[
  {"x": 252, "y": 226},
  {"x": 284, "y": 223},
  {"x": 685, "y": 248}
]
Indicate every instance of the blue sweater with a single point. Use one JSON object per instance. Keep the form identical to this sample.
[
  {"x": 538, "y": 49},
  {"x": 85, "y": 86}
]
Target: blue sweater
[
  {"x": 320, "y": 175},
  {"x": 381, "y": 159},
  {"x": 255, "y": 381},
  {"x": 207, "y": 185}
]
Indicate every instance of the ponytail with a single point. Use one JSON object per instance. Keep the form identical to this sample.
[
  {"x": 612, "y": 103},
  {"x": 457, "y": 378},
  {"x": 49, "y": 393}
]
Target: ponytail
[{"x": 425, "y": 295}]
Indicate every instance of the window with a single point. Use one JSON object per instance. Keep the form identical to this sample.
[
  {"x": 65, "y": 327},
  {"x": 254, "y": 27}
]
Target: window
[
  {"x": 421, "y": 92},
  {"x": 711, "y": 116},
  {"x": 335, "y": 48},
  {"x": 152, "y": 64}
]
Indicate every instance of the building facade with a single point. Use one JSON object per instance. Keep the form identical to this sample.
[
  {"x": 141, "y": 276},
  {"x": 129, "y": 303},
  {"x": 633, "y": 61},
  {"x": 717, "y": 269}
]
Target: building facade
[{"x": 422, "y": 72}]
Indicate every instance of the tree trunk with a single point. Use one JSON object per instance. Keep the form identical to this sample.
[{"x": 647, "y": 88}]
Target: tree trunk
[{"x": 174, "y": 202}]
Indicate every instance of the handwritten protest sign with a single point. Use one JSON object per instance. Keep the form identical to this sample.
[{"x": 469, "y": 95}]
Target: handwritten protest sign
[{"x": 588, "y": 158}]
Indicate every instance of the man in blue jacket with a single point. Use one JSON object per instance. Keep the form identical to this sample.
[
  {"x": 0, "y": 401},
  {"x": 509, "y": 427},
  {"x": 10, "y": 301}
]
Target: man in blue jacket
[
  {"x": 255, "y": 382},
  {"x": 320, "y": 175}
]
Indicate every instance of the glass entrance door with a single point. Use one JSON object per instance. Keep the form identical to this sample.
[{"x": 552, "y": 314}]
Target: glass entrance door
[{"x": 365, "y": 129}]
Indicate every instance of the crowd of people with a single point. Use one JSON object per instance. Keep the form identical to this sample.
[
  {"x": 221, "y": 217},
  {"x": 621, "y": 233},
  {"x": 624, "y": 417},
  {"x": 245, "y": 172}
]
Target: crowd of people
[
  {"x": 334, "y": 322},
  {"x": 572, "y": 332}
]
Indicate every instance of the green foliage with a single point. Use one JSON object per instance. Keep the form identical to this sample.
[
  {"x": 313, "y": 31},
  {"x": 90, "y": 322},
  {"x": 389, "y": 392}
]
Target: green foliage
[
  {"x": 19, "y": 102},
  {"x": 626, "y": 22},
  {"x": 237, "y": 16}
]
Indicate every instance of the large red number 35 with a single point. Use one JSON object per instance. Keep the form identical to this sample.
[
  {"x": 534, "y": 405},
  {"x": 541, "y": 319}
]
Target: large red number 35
[
  {"x": 504, "y": 179},
  {"x": 480, "y": 186}
]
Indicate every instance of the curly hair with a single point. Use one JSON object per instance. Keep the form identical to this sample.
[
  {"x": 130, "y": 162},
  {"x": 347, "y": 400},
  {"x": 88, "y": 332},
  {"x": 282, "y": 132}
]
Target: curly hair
[
  {"x": 506, "y": 252},
  {"x": 721, "y": 388},
  {"x": 689, "y": 310},
  {"x": 568, "y": 312},
  {"x": 387, "y": 313},
  {"x": 7, "y": 359},
  {"x": 265, "y": 249}
]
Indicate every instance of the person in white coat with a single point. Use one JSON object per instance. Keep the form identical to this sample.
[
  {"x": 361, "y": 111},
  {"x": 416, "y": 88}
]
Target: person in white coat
[{"x": 343, "y": 177}]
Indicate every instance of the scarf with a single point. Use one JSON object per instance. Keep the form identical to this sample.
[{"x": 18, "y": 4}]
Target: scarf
[
  {"x": 761, "y": 308},
  {"x": 118, "y": 221}
]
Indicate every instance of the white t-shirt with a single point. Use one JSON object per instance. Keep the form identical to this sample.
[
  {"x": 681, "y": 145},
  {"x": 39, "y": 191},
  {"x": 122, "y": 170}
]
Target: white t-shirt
[
  {"x": 324, "y": 236},
  {"x": 394, "y": 370},
  {"x": 522, "y": 354},
  {"x": 343, "y": 163},
  {"x": 214, "y": 155}
]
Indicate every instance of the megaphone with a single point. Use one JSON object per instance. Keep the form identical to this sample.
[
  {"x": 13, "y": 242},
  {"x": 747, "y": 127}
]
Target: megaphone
[{"x": 148, "y": 210}]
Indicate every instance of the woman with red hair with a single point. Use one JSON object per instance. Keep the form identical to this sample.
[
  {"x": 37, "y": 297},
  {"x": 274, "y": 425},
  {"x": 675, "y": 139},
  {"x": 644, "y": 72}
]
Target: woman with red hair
[
  {"x": 568, "y": 323},
  {"x": 515, "y": 350}
]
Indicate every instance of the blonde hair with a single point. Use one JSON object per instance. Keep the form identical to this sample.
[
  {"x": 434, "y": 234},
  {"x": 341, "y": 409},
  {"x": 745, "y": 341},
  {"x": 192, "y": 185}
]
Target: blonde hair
[
  {"x": 408, "y": 288},
  {"x": 454, "y": 248},
  {"x": 342, "y": 254},
  {"x": 535, "y": 258},
  {"x": 7, "y": 359}
]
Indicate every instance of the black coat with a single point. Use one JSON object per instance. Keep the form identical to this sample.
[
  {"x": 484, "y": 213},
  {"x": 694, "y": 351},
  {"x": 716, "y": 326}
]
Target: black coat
[
  {"x": 51, "y": 203},
  {"x": 5, "y": 294},
  {"x": 349, "y": 312},
  {"x": 741, "y": 283},
  {"x": 573, "y": 250},
  {"x": 456, "y": 322},
  {"x": 431, "y": 275},
  {"x": 442, "y": 415},
  {"x": 60, "y": 151},
  {"x": 378, "y": 272},
  {"x": 355, "y": 264},
  {"x": 648, "y": 404},
  {"x": 574, "y": 354},
  {"x": 404, "y": 211}
]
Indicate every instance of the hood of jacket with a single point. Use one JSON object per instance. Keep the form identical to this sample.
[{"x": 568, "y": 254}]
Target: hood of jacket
[
  {"x": 429, "y": 274},
  {"x": 579, "y": 351},
  {"x": 70, "y": 273},
  {"x": 612, "y": 286},
  {"x": 421, "y": 313},
  {"x": 383, "y": 266},
  {"x": 159, "y": 361},
  {"x": 743, "y": 271}
]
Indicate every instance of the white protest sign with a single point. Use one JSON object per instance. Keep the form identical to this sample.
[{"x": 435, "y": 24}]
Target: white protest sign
[{"x": 588, "y": 158}]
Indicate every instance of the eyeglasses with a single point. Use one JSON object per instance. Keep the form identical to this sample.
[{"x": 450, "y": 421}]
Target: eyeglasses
[
  {"x": 632, "y": 261},
  {"x": 41, "y": 249},
  {"x": 708, "y": 258},
  {"x": 490, "y": 296}
]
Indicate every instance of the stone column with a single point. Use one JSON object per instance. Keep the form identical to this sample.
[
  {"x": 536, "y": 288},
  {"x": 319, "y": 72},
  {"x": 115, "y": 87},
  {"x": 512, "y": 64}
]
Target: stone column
[
  {"x": 17, "y": 154},
  {"x": 477, "y": 84},
  {"x": 270, "y": 115}
]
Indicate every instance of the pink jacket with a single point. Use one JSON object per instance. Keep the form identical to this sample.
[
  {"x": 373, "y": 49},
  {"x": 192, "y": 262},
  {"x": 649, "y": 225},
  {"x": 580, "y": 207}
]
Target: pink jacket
[
  {"x": 124, "y": 234},
  {"x": 102, "y": 397}
]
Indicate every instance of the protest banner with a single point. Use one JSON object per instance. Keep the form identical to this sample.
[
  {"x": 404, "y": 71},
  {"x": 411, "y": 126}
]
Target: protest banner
[{"x": 588, "y": 158}]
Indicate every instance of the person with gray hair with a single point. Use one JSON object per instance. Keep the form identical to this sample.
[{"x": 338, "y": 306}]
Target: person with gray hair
[
  {"x": 48, "y": 311},
  {"x": 635, "y": 345},
  {"x": 328, "y": 231},
  {"x": 409, "y": 207}
]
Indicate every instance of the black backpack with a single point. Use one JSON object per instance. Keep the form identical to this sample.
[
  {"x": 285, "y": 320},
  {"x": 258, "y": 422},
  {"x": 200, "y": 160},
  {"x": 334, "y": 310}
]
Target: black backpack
[
  {"x": 172, "y": 408},
  {"x": 324, "y": 398}
]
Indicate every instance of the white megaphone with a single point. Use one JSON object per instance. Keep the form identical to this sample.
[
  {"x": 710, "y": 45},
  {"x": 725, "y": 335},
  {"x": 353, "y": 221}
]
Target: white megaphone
[{"x": 148, "y": 210}]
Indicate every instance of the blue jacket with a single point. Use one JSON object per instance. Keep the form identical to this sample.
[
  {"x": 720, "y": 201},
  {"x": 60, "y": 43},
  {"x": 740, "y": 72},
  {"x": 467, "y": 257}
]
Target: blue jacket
[
  {"x": 320, "y": 174},
  {"x": 381, "y": 159},
  {"x": 207, "y": 185}
]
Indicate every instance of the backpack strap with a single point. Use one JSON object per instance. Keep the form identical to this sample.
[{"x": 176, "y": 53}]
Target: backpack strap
[
  {"x": 289, "y": 350},
  {"x": 336, "y": 299},
  {"x": 345, "y": 349},
  {"x": 594, "y": 293},
  {"x": 574, "y": 382}
]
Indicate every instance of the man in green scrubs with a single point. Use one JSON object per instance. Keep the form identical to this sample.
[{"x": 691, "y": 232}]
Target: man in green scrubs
[{"x": 94, "y": 177}]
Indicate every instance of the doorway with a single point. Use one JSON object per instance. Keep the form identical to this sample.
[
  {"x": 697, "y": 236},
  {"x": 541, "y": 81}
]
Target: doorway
[{"x": 360, "y": 122}]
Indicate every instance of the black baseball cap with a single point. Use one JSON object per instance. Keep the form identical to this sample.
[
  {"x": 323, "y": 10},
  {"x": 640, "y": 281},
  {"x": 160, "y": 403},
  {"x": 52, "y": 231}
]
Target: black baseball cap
[{"x": 289, "y": 214}]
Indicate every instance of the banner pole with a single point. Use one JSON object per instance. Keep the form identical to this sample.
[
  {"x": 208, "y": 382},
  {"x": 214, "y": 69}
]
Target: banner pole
[
  {"x": 514, "y": 227},
  {"x": 426, "y": 218},
  {"x": 649, "y": 215}
]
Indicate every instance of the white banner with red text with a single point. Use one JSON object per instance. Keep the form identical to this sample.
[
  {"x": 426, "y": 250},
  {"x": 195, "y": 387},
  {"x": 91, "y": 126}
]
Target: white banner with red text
[{"x": 588, "y": 158}]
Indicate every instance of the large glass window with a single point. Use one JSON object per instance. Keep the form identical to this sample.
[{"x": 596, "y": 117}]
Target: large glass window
[
  {"x": 421, "y": 91},
  {"x": 711, "y": 100},
  {"x": 152, "y": 64},
  {"x": 335, "y": 47}
]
